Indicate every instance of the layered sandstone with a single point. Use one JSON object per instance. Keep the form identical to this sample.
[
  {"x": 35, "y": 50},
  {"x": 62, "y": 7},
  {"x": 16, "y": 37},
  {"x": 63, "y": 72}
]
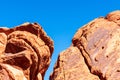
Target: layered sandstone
[
  {"x": 94, "y": 53},
  {"x": 25, "y": 52}
]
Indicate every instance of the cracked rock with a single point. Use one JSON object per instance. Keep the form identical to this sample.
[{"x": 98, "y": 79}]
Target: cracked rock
[
  {"x": 71, "y": 66},
  {"x": 25, "y": 52},
  {"x": 94, "y": 54}
]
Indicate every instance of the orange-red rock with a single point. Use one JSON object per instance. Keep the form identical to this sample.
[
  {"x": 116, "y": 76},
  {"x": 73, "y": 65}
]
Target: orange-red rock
[
  {"x": 71, "y": 66},
  {"x": 94, "y": 54},
  {"x": 25, "y": 52}
]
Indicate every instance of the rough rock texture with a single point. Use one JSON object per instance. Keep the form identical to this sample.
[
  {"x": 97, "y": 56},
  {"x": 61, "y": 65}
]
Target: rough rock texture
[
  {"x": 25, "y": 52},
  {"x": 94, "y": 53},
  {"x": 70, "y": 65}
]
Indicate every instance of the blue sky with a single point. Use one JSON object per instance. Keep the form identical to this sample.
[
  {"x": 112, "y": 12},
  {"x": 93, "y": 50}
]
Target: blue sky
[{"x": 59, "y": 18}]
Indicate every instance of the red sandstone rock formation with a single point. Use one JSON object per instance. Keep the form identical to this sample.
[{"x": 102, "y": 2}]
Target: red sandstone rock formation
[
  {"x": 25, "y": 52},
  {"x": 94, "y": 54}
]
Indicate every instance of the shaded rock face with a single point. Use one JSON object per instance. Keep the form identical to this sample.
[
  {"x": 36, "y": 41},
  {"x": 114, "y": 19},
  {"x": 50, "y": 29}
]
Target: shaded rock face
[
  {"x": 94, "y": 53},
  {"x": 25, "y": 52}
]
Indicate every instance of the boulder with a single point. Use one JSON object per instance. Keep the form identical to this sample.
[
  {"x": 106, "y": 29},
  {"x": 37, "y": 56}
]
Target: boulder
[
  {"x": 25, "y": 52},
  {"x": 94, "y": 53}
]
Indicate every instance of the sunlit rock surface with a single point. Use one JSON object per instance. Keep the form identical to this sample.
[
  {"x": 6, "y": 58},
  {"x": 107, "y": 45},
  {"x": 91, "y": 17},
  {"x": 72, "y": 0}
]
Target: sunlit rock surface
[
  {"x": 25, "y": 52},
  {"x": 94, "y": 53}
]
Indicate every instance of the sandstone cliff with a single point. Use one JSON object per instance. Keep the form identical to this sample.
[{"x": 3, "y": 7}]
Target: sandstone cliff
[
  {"x": 94, "y": 53},
  {"x": 25, "y": 52}
]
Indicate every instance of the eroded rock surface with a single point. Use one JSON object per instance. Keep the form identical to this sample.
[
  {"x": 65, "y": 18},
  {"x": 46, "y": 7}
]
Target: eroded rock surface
[
  {"x": 94, "y": 54},
  {"x": 71, "y": 66},
  {"x": 25, "y": 52}
]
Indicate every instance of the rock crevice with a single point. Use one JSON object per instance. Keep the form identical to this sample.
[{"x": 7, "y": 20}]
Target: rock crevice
[{"x": 25, "y": 52}]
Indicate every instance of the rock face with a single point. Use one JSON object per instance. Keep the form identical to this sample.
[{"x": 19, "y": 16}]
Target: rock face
[
  {"x": 94, "y": 53},
  {"x": 25, "y": 52}
]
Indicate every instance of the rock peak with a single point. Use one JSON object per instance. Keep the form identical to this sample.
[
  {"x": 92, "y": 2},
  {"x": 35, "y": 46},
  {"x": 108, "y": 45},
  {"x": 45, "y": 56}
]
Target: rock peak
[{"x": 95, "y": 53}]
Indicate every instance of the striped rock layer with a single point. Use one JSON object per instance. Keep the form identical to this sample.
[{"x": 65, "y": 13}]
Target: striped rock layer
[{"x": 25, "y": 52}]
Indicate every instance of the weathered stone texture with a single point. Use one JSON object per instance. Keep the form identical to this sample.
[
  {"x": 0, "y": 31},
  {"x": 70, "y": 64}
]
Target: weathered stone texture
[
  {"x": 25, "y": 52},
  {"x": 94, "y": 54},
  {"x": 70, "y": 65}
]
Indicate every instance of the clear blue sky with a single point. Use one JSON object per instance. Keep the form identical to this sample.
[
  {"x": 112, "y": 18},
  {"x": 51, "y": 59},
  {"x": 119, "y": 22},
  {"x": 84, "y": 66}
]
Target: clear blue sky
[{"x": 59, "y": 18}]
